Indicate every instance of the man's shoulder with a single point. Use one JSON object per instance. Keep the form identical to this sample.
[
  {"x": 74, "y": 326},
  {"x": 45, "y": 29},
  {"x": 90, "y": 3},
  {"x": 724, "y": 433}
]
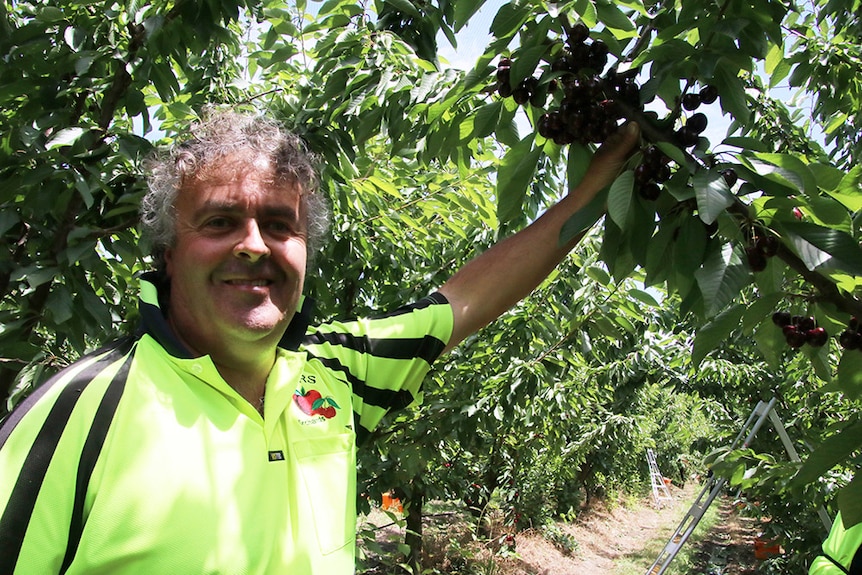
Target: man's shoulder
[{"x": 58, "y": 396}]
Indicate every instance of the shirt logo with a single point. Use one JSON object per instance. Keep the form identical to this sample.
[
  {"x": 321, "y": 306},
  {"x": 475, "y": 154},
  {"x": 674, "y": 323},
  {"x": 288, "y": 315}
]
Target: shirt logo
[{"x": 311, "y": 403}]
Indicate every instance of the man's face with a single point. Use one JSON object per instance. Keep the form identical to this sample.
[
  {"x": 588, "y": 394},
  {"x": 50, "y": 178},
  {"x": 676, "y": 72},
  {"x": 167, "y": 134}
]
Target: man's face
[{"x": 238, "y": 262}]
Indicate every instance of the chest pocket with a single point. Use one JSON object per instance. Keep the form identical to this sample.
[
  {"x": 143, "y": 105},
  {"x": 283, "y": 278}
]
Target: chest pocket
[{"x": 328, "y": 469}]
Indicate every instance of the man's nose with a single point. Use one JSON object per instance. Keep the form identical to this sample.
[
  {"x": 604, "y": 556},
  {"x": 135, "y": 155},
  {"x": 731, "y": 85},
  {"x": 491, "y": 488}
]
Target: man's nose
[{"x": 252, "y": 244}]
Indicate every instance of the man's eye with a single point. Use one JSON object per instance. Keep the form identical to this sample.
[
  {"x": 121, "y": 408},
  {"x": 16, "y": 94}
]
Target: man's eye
[
  {"x": 279, "y": 227},
  {"x": 218, "y": 223}
]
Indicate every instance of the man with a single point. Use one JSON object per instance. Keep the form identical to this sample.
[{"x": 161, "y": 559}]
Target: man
[
  {"x": 842, "y": 551},
  {"x": 222, "y": 438}
]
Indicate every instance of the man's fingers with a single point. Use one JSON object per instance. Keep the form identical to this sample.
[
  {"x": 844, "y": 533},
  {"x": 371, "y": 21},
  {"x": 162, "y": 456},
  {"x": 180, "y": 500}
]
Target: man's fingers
[
  {"x": 610, "y": 157},
  {"x": 621, "y": 142}
]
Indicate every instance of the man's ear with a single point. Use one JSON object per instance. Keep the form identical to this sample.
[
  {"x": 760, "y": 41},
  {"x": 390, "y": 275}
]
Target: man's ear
[{"x": 167, "y": 258}]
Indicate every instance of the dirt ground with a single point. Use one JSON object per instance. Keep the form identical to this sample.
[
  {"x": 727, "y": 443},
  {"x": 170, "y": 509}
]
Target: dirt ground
[
  {"x": 605, "y": 536},
  {"x": 728, "y": 549},
  {"x": 621, "y": 539}
]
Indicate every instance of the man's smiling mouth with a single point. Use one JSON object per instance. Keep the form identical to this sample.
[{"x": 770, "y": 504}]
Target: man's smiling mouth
[{"x": 249, "y": 282}]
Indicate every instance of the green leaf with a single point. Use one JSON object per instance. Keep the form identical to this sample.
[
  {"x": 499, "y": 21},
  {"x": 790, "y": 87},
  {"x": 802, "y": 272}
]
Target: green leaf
[
  {"x": 644, "y": 297},
  {"x": 732, "y": 90},
  {"x": 579, "y": 161},
  {"x": 840, "y": 245},
  {"x": 848, "y": 192},
  {"x": 850, "y": 502},
  {"x": 404, "y": 6},
  {"x": 712, "y": 194},
  {"x": 612, "y": 17},
  {"x": 514, "y": 177},
  {"x": 509, "y": 19},
  {"x": 792, "y": 165},
  {"x": 464, "y": 9},
  {"x": 760, "y": 309},
  {"x": 587, "y": 10},
  {"x": 620, "y": 198},
  {"x": 690, "y": 246},
  {"x": 721, "y": 278},
  {"x": 672, "y": 152},
  {"x": 713, "y": 334},
  {"x": 753, "y": 144},
  {"x": 49, "y": 14},
  {"x": 599, "y": 275},
  {"x": 525, "y": 63},
  {"x": 486, "y": 119},
  {"x": 35, "y": 275},
  {"x": 65, "y": 137},
  {"x": 830, "y": 453},
  {"x": 820, "y": 361},
  {"x": 60, "y": 305},
  {"x": 584, "y": 219},
  {"x": 849, "y": 375},
  {"x": 771, "y": 344}
]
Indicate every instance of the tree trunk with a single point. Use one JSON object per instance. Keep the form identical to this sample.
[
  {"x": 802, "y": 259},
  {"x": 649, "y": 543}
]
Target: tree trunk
[{"x": 413, "y": 538}]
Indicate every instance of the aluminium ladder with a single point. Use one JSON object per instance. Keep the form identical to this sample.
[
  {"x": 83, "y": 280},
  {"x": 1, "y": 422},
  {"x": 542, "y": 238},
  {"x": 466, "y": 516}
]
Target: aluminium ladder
[
  {"x": 714, "y": 486},
  {"x": 711, "y": 489},
  {"x": 660, "y": 492}
]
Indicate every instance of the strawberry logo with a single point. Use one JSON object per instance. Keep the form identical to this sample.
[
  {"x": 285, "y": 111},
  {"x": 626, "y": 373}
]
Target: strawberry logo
[{"x": 311, "y": 403}]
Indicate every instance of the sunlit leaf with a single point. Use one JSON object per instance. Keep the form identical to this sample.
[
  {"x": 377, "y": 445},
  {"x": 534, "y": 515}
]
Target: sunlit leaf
[
  {"x": 65, "y": 137},
  {"x": 713, "y": 195},
  {"x": 827, "y": 242},
  {"x": 620, "y": 199},
  {"x": 721, "y": 278}
]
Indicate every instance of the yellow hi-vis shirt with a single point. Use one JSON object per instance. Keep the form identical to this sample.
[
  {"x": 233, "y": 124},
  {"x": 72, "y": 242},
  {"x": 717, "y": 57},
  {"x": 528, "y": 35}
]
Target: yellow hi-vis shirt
[
  {"x": 141, "y": 459},
  {"x": 842, "y": 551}
]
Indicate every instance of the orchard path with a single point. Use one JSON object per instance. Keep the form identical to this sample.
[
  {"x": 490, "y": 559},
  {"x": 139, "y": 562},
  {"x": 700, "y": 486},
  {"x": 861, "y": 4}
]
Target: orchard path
[{"x": 622, "y": 540}]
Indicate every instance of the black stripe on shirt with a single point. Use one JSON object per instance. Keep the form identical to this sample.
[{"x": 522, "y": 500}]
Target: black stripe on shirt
[
  {"x": 427, "y": 348},
  {"x": 90, "y": 454},
  {"x": 435, "y": 298},
  {"x": 385, "y": 398},
  {"x": 22, "y": 500}
]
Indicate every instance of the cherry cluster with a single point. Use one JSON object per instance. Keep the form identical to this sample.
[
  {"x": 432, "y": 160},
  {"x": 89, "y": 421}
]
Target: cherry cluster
[
  {"x": 587, "y": 111},
  {"x": 759, "y": 250},
  {"x": 799, "y": 330},
  {"x": 524, "y": 92},
  {"x": 851, "y": 338},
  {"x": 689, "y": 133},
  {"x": 653, "y": 170}
]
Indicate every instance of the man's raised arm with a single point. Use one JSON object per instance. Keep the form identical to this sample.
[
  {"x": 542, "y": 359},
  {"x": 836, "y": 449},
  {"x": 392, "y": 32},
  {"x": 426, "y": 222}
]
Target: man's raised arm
[{"x": 497, "y": 279}]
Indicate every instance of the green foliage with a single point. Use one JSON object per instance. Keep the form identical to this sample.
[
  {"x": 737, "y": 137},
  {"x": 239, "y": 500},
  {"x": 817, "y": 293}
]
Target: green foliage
[{"x": 563, "y": 541}]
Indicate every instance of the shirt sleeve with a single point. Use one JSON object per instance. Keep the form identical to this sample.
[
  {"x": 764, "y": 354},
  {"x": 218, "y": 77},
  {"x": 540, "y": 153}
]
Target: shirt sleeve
[{"x": 384, "y": 358}]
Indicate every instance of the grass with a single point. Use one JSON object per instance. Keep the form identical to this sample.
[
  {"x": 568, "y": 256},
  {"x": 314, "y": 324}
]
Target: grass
[{"x": 684, "y": 562}]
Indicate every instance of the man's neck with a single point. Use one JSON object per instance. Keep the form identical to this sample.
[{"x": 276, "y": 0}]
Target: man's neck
[
  {"x": 245, "y": 366},
  {"x": 249, "y": 382}
]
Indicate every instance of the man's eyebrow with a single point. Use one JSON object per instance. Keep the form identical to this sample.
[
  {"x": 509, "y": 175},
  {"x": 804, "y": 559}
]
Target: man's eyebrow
[
  {"x": 233, "y": 208},
  {"x": 280, "y": 212}
]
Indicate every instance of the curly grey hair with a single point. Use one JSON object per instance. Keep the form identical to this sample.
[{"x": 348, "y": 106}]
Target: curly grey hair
[{"x": 221, "y": 133}]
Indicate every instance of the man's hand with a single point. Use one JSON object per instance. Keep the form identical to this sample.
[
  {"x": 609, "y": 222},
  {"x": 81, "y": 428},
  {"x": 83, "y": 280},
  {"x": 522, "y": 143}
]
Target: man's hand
[{"x": 607, "y": 163}]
